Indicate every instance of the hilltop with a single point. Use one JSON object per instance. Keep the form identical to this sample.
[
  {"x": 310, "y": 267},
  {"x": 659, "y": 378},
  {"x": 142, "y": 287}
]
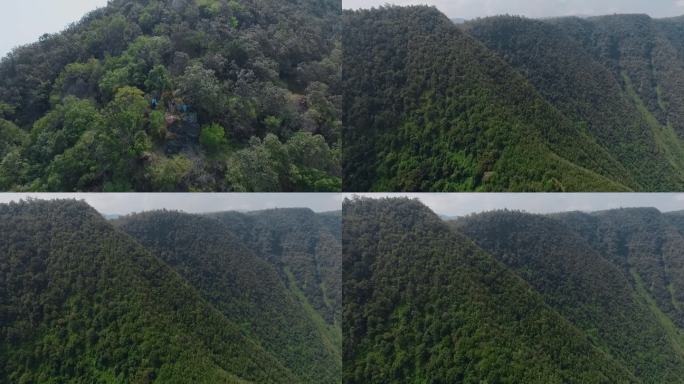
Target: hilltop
[{"x": 177, "y": 95}]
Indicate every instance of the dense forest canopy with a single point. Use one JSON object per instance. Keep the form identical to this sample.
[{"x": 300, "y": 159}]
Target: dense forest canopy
[
  {"x": 508, "y": 296},
  {"x": 595, "y": 291},
  {"x": 511, "y": 104},
  {"x": 177, "y": 95},
  {"x": 304, "y": 246},
  {"x": 157, "y": 297}
]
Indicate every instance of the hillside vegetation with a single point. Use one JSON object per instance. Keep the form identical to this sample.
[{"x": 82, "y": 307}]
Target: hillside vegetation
[
  {"x": 177, "y": 95},
  {"x": 160, "y": 297},
  {"x": 303, "y": 246},
  {"x": 510, "y": 297},
  {"x": 422, "y": 303},
  {"x": 588, "y": 288},
  {"x": 511, "y": 104}
]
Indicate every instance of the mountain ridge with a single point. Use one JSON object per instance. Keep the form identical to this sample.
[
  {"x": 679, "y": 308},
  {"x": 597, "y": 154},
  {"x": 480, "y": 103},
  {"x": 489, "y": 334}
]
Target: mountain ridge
[
  {"x": 478, "y": 109},
  {"x": 107, "y": 308}
]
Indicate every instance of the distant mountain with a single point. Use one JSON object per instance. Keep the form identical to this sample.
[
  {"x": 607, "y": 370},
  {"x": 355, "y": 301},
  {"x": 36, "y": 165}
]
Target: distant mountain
[
  {"x": 458, "y": 20},
  {"x": 423, "y": 303},
  {"x": 646, "y": 245},
  {"x": 593, "y": 289},
  {"x": 512, "y": 104},
  {"x": 628, "y": 113},
  {"x": 303, "y": 246},
  {"x": 153, "y": 297},
  {"x": 177, "y": 95},
  {"x": 510, "y": 296}
]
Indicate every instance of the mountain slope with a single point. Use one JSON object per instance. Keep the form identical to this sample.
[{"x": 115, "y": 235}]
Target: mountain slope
[
  {"x": 83, "y": 302},
  {"x": 246, "y": 289},
  {"x": 676, "y": 219},
  {"x": 512, "y": 104},
  {"x": 587, "y": 289},
  {"x": 644, "y": 245},
  {"x": 423, "y": 303},
  {"x": 178, "y": 95},
  {"x": 303, "y": 246},
  {"x": 644, "y": 52},
  {"x": 428, "y": 107},
  {"x": 606, "y": 97}
]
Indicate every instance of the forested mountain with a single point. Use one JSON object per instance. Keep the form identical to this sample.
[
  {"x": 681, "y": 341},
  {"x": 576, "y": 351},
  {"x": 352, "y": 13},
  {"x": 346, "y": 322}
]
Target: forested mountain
[
  {"x": 422, "y": 303},
  {"x": 646, "y": 245},
  {"x": 511, "y": 297},
  {"x": 248, "y": 289},
  {"x": 160, "y": 297},
  {"x": 177, "y": 95},
  {"x": 588, "y": 287},
  {"x": 676, "y": 219},
  {"x": 303, "y": 246},
  {"x": 508, "y": 103}
]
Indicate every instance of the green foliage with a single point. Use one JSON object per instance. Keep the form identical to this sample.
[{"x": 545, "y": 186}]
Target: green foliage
[
  {"x": 422, "y": 303},
  {"x": 510, "y": 104},
  {"x": 482, "y": 298},
  {"x": 645, "y": 242},
  {"x": 125, "y": 138},
  {"x": 586, "y": 286},
  {"x": 159, "y": 80},
  {"x": 302, "y": 163},
  {"x": 212, "y": 6},
  {"x": 273, "y": 123},
  {"x": 158, "y": 125},
  {"x": 11, "y": 137},
  {"x": 249, "y": 287},
  {"x": 201, "y": 88},
  {"x": 80, "y": 80},
  {"x": 168, "y": 175},
  {"x": 213, "y": 138},
  {"x": 56, "y": 133},
  {"x": 76, "y": 168},
  {"x": 615, "y": 116},
  {"x": 12, "y": 168},
  {"x": 83, "y": 301},
  {"x": 6, "y": 110},
  {"x": 113, "y": 80},
  {"x": 299, "y": 243},
  {"x": 203, "y": 62}
]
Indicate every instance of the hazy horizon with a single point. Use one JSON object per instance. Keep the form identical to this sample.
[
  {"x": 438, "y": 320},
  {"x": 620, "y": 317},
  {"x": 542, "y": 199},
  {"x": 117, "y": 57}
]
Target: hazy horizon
[
  {"x": 24, "y": 22},
  {"x": 444, "y": 204},
  {"x": 462, "y": 204},
  {"x": 471, "y": 9},
  {"x": 127, "y": 203}
]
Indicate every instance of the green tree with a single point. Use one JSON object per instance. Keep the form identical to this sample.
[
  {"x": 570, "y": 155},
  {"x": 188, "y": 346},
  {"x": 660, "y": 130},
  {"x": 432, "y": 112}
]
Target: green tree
[
  {"x": 202, "y": 90},
  {"x": 213, "y": 137},
  {"x": 158, "y": 80},
  {"x": 168, "y": 174},
  {"x": 158, "y": 125},
  {"x": 124, "y": 140},
  {"x": 305, "y": 162}
]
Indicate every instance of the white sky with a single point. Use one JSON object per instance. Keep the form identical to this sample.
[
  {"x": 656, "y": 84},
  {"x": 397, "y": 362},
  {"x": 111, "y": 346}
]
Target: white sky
[
  {"x": 124, "y": 203},
  {"x": 461, "y": 204},
  {"x": 469, "y": 9},
  {"x": 448, "y": 204},
  {"x": 24, "y": 21}
]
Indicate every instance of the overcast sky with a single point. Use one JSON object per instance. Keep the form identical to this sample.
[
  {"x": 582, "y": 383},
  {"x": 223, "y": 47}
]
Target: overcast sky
[
  {"x": 469, "y": 9},
  {"x": 124, "y": 203},
  {"x": 452, "y": 204},
  {"x": 461, "y": 204},
  {"x": 24, "y": 21}
]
